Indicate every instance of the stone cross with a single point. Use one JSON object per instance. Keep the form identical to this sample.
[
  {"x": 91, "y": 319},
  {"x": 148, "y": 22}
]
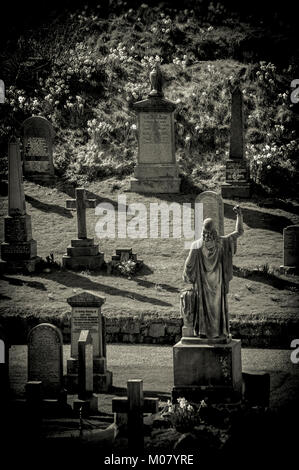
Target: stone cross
[
  {"x": 85, "y": 365},
  {"x": 237, "y": 126},
  {"x": 81, "y": 203},
  {"x": 135, "y": 405},
  {"x": 16, "y": 196}
]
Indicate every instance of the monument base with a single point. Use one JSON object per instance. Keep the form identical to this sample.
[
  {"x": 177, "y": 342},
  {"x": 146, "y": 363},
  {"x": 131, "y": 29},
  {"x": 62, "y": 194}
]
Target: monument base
[
  {"x": 207, "y": 369},
  {"x": 15, "y": 266},
  {"x": 289, "y": 270},
  {"x": 155, "y": 185},
  {"x": 83, "y": 254},
  {"x": 40, "y": 177},
  {"x": 236, "y": 190}
]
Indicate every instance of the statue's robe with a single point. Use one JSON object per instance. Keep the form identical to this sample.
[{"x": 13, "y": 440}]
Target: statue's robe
[{"x": 210, "y": 274}]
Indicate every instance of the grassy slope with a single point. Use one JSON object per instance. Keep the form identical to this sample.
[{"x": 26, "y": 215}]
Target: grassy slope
[{"x": 155, "y": 291}]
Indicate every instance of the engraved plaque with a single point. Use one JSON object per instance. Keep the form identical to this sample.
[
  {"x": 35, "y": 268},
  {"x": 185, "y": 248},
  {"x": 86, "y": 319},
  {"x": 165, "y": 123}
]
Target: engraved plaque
[
  {"x": 291, "y": 246},
  {"x": 155, "y": 138},
  {"x": 86, "y": 318}
]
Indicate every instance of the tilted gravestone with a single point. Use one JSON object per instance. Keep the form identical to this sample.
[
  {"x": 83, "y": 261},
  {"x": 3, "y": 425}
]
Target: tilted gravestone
[
  {"x": 290, "y": 249},
  {"x": 83, "y": 253},
  {"x": 212, "y": 208},
  {"x": 19, "y": 250},
  {"x": 4, "y": 364},
  {"x": 45, "y": 359},
  {"x": 156, "y": 170},
  {"x": 38, "y": 137},
  {"x": 237, "y": 175},
  {"x": 86, "y": 315}
]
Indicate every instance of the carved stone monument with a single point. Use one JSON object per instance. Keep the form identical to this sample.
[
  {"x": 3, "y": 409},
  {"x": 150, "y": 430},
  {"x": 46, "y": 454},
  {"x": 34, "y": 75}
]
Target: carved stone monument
[
  {"x": 82, "y": 253},
  {"x": 213, "y": 208},
  {"x": 86, "y": 315},
  {"x": 19, "y": 250},
  {"x": 45, "y": 360},
  {"x": 207, "y": 361},
  {"x": 237, "y": 174},
  {"x": 38, "y": 137},
  {"x": 290, "y": 249},
  {"x": 156, "y": 170}
]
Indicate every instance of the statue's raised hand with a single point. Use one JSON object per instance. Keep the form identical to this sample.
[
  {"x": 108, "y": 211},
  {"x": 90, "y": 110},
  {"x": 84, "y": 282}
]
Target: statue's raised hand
[{"x": 237, "y": 210}]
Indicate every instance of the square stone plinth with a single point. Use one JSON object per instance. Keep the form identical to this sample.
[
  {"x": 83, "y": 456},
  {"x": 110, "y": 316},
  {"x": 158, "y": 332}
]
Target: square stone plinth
[
  {"x": 237, "y": 190},
  {"x": 207, "y": 370},
  {"x": 83, "y": 262},
  {"x": 155, "y": 185},
  {"x": 102, "y": 378}
]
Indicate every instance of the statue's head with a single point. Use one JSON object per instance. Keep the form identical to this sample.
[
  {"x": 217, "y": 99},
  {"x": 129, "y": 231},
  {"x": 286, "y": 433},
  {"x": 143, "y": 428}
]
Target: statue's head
[{"x": 209, "y": 233}]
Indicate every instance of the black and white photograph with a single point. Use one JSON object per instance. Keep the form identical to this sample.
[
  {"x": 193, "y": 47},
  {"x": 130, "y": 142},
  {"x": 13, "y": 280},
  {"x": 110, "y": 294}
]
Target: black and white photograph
[{"x": 149, "y": 234}]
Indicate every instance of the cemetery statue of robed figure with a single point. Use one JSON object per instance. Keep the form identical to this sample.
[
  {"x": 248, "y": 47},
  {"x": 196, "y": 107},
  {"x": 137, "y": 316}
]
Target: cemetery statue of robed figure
[{"x": 209, "y": 267}]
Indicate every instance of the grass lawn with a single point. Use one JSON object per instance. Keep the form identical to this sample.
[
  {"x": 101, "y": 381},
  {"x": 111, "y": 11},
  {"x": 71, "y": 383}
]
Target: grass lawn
[{"x": 155, "y": 290}]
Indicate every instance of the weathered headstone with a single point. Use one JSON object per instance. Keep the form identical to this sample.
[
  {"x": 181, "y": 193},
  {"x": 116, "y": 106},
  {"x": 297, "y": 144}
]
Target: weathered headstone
[
  {"x": 19, "y": 250},
  {"x": 237, "y": 175},
  {"x": 82, "y": 254},
  {"x": 45, "y": 359},
  {"x": 4, "y": 365},
  {"x": 156, "y": 170},
  {"x": 212, "y": 208},
  {"x": 290, "y": 249},
  {"x": 134, "y": 406},
  {"x": 38, "y": 137},
  {"x": 2, "y": 92},
  {"x": 123, "y": 255},
  {"x": 86, "y": 401},
  {"x": 86, "y": 315}
]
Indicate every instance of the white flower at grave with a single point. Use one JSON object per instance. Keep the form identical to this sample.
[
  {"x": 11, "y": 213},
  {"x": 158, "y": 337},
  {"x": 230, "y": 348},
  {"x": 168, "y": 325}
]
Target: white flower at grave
[{"x": 133, "y": 127}]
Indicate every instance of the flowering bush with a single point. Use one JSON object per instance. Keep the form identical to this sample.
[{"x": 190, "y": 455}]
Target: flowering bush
[{"x": 183, "y": 416}]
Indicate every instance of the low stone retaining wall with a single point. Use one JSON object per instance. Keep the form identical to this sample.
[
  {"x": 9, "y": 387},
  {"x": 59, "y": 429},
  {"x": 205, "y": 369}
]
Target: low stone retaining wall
[{"x": 253, "y": 332}]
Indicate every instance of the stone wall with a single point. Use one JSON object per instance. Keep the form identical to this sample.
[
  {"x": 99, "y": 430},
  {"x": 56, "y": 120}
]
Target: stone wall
[{"x": 253, "y": 332}]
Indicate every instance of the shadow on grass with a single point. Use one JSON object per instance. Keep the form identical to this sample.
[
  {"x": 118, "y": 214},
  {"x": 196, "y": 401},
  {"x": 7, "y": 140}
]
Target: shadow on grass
[
  {"x": 265, "y": 278},
  {"x": 20, "y": 282},
  {"x": 259, "y": 219},
  {"x": 44, "y": 207},
  {"x": 75, "y": 280},
  {"x": 149, "y": 284}
]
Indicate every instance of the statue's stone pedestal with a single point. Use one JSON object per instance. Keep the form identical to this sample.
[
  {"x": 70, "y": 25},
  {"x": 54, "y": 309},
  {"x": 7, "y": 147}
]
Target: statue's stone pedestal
[{"x": 204, "y": 368}]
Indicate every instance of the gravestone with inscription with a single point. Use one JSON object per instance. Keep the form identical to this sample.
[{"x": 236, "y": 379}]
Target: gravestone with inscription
[
  {"x": 86, "y": 315},
  {"x": 38, "y": 137},
  {"x": 290, "y": 249},
  {"x": 19, "y": 250},
  {"x": 156, "y": 170},
  {"x": 2, "y": 92},
  {"x": 82, "y": 253},
  {"x": 237, "y": 174},
  {"x": 4, "y": 365},
  {"x": 45, "y": 358},
  {"x": 212, "y": 208}
]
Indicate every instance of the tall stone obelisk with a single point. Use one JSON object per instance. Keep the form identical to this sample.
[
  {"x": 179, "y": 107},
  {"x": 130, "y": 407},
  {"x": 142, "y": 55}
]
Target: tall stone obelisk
[
  {"x": 19, "y": 250},
  {"x": 236, "y": 175}
]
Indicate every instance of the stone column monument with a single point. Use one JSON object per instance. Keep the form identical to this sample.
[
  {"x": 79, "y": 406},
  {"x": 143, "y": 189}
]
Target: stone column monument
[
  {"x": 19, "y": 250},
  {"x": 237, "y": 175},
  {"x": 156, "y": 170},
  {"x": 86, "y": 315}
]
